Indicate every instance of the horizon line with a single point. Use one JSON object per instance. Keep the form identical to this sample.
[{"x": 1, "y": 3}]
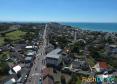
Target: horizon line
[{"x": 52, "y": 21}]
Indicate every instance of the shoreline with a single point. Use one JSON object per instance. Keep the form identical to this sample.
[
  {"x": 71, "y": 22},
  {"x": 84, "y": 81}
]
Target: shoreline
[{"x": 100, "y": 27}]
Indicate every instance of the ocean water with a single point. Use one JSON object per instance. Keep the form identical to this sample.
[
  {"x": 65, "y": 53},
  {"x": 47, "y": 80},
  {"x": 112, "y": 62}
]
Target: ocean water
[{"x": 105, "y": 27}]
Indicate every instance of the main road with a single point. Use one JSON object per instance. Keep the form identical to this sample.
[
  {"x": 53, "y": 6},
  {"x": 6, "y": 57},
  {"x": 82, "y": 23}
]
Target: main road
[{"x": 35, "y": 72}]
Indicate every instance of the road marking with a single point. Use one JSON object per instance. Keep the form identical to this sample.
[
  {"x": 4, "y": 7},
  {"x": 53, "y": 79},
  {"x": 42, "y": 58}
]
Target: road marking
[{"x": 35, "y": 74}]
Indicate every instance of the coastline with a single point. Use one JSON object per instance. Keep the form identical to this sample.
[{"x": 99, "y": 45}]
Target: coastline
[{"x": 101, "y": 27}]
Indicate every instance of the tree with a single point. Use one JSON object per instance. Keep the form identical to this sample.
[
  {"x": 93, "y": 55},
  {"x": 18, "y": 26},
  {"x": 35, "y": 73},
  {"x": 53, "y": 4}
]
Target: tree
[
  {"x": 109, "y": 40},
  {"x": 29, "y": 36},
  {"x": 4, "y": 68},
  {"x": 73, "y": 79},
  {"x": 7, "y": 40},
  {"x": 63, "y": 81}
]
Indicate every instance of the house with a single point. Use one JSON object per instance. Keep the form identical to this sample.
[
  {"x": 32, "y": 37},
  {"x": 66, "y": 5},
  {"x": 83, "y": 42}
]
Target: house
[
  {"x": 101, "y": 66},
  {"x": 111, "y": 50},
  {"x": 54, "y": 58},
  {"x": 28, "y": 59},
  {"x": 33, "y": 47},
  {"x": 30, "y": 53},
  {"x": 16, "y": 56},
  {"x": 78, "y": 64},
  {"x": 15, "y": 69}
]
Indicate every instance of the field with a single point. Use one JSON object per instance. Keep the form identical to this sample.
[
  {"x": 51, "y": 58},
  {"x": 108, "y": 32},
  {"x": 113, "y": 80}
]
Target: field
[
  {"x": 91, "y": 61},
  {"x": 14, "y": 36},
  {"x": 1, "y": 41}
]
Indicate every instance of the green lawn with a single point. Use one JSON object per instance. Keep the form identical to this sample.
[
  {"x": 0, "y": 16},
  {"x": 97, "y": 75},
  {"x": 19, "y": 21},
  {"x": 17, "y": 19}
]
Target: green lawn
[
  {"x": 1, "y": 41},
  {"x": 15, "y": 35},
  {"x": 4, "y": 55}
]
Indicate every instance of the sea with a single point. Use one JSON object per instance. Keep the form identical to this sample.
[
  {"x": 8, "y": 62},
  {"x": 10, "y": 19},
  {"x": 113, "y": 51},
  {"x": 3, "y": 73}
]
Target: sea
[{"x": 105, "y": 27}]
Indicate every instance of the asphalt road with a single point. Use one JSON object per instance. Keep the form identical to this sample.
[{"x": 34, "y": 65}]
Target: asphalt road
[{"x": 35, "y": 73}]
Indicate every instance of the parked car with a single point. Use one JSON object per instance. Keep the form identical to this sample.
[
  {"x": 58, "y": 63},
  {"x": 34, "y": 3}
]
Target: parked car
[{"x": 66, "y": 70}]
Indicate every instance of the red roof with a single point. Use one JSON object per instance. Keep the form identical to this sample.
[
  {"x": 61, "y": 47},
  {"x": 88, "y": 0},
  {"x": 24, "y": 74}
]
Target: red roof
[{"x": 103, "y": 65}]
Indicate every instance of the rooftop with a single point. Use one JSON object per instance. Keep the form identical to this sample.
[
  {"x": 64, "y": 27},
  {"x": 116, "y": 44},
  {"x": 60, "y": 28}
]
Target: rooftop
[
  {"x": 29, "y": 47},
  {"x": 103, "y": 65},
  {"x": 17, "y": 68},
  {"x": 113, "y": 46},
  {"x": 54, "y": 54},
  {"x": 28, "y": 58},
  {"x": 30, "y": 52}
]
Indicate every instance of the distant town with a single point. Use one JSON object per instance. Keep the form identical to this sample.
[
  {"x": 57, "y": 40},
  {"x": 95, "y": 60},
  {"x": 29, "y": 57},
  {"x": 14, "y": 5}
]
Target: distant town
[{"x": 52, "y": 53}]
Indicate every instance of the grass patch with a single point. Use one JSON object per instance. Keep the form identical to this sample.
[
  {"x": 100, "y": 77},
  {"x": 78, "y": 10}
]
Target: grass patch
[
  {"x": 115, "y": 79},
  {"x": 1, "y": 41},
  {"x": 91, "y": 61},
  {"x": 15, "y": 35},
  {"x": 4, "y": 55}
]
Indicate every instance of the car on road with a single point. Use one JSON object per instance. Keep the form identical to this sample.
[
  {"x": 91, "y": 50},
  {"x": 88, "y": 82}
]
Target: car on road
[
  {"x": 66, "y": 70},
  {"x": 25, "y": 77}
]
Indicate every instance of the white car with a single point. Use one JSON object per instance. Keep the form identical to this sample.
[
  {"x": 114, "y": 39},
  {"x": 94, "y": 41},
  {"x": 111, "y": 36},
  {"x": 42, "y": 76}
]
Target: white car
[{"x": 65, "y": 68}]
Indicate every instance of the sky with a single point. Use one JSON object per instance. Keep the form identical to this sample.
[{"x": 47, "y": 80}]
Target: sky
[{"x": 58, "y": 10}]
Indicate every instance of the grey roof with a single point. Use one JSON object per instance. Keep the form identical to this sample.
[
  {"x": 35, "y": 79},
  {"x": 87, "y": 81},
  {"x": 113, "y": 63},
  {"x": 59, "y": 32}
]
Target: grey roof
[
  {"x": 28, "y": 58},
  {"x": 54, "y": 54},
  {"x": 30, "y": 52}
]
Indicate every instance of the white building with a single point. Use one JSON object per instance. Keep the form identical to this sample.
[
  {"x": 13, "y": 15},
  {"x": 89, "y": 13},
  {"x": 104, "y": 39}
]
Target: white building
[
  {"x": 15, "y": 69},
  {"x": 54, "y": 57},
  {"x": 29, "y": 47}
]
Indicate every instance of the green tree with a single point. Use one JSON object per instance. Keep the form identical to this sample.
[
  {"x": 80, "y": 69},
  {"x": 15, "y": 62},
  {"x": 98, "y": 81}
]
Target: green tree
[
  {"x": 7, "y": 40},
  {"x": 63, "y": 81},
  {"x": 4, "y": 68}
]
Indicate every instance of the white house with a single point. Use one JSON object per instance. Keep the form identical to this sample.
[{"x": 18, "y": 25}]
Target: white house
[{"x": 15, "y": 69}]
